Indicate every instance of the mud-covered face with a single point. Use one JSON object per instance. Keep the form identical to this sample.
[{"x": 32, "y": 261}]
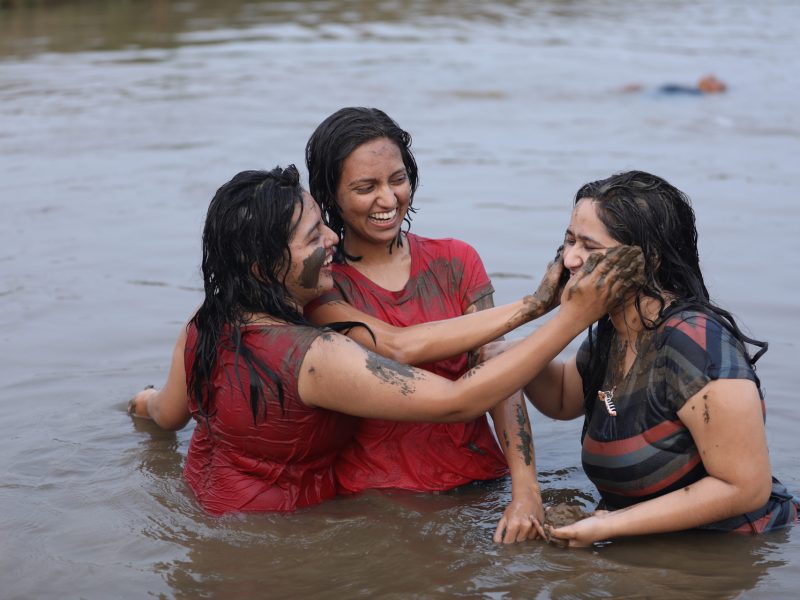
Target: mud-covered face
[
  {"x": 312, "y": 246},
  {"x": 586, "y": 234},
  {"x": 373, "y": 194}
]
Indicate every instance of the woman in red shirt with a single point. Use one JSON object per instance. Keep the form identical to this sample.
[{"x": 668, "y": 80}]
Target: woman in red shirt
[{"x": 364, "y": 175}]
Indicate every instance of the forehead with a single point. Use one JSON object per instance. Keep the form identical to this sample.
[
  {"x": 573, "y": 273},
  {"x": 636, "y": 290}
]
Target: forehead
[
  {"x": 585, "y": 212},
  {"x": 585, "y": 221},
  {"x": 377, "y": 152},
  {"x": 311, "y": 213}
]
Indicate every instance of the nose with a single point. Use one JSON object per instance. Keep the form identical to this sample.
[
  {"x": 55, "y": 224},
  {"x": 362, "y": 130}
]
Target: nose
[
  {"x": 331, "y": 238},
  {"x": 573, "y": 259},
  {"x": 387, "y": 198}
]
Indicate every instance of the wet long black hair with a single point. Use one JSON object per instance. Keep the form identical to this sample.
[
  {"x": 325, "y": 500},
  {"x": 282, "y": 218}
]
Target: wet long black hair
[
  {"x": 330, "y": 145},
  {"x": 248, "y": 228},
  {"x": 640, "y": 209}
]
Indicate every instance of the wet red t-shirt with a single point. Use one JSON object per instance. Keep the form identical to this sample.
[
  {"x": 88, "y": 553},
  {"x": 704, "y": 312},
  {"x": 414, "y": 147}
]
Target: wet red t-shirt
[
  {"x": 278, "y": 463},
  {"x": 447, "y": 276}
]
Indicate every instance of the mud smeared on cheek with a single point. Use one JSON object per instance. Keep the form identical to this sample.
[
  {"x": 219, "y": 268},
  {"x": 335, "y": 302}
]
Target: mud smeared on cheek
[{"x": 309, "y": 277}]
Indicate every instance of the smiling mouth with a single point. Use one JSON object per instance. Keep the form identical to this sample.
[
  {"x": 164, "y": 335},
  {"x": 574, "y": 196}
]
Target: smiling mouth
[{"x": 383, "y": 217}]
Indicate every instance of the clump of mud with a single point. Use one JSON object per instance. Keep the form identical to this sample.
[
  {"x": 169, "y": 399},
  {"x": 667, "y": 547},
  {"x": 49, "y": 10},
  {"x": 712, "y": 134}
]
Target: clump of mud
[{"x": 561, "y": 515}]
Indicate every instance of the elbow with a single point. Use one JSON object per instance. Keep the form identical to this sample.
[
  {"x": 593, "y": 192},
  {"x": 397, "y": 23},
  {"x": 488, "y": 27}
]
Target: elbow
[
  {"x": 755, "y": 493},
  {"x": 169, "y": 423},
  {"x": 453, "y": 410},
  {"x": 402, "y": 351},
  {"x": 174, "y": 424},
  {"x": 458, "y": 416},
  {"x": 761, "y": 492}
]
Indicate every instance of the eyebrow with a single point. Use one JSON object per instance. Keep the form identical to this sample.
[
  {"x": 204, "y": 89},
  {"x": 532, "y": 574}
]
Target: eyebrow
[
  {"x": 364, "y": 180},
  {"x": 585, "y": 238}
]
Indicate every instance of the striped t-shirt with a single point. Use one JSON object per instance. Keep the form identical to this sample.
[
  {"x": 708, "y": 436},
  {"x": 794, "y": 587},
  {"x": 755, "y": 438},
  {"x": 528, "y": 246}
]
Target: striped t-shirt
[{"x": 645, "y": 451}]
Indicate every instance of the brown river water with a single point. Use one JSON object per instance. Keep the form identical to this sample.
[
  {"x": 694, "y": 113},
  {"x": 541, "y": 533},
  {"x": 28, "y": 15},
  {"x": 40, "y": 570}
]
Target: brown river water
[{"x": 118, "y": 121}]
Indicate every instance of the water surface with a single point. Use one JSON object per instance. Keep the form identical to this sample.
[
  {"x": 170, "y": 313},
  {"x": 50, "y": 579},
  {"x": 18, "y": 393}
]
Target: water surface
[{"x": 120, "y": 120}]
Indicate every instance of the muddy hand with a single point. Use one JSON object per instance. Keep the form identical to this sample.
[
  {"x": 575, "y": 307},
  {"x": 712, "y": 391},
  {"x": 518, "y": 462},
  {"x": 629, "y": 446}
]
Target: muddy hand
[
  {"x": 548, "y": 294},
  {"x": 625, "y": 270},
  {"x": 604, "y": 282}
]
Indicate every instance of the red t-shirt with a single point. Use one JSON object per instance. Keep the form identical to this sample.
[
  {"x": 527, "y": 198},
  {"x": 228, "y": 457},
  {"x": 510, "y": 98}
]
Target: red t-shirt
[
  {"x": 447, "y": 276},
  {"x": 278, "y": 463}
]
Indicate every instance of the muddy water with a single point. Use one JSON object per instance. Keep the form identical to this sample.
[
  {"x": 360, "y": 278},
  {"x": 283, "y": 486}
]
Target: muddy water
[{"x": 119, "y": 120}]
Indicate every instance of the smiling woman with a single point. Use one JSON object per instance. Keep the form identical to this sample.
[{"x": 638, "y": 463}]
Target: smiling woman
[{"x": 363, "y": 173}]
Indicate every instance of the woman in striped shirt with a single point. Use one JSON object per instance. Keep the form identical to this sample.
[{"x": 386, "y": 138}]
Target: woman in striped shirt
[{"x": 673, "y": 434}]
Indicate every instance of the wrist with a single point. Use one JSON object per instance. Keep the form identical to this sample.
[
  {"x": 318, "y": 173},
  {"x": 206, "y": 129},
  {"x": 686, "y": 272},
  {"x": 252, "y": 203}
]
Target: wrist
[
  {"x": 525, "y": 486},
  {"x": 533, "y": 307},
  {"x": 572, "y": 322}
]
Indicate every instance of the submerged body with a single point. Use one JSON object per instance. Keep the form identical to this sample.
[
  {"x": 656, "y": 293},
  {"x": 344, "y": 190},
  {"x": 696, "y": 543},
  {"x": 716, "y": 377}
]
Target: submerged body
[
  {"x": 282, "y": 462},
  {"x": 446, "y": 277}
]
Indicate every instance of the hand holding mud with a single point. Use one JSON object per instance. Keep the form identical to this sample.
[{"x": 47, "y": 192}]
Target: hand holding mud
[
  {"x": 561, "y": 515},
  {"x": 605, "y": 281}
]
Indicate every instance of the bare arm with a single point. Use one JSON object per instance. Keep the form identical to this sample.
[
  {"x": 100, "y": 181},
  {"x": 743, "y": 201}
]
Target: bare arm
[
  {"x": 437, "y": 340},
  {"x": 557, "y": 391},
  {"x": 340, "y": 375},
  {"x": 726, "y": 423},
  {"x": 168, "y": 406},
  {"x": 522, "y": 518}
]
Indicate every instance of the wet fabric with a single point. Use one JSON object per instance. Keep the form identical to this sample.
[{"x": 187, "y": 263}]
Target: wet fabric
[
  {"x": 447, "y": 276},
  {"x": 280, "y": 462},
  {"x": 645, "y": 451}
]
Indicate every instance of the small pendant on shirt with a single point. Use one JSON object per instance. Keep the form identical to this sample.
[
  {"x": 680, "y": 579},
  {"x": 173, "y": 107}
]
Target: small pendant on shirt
[{"x": 607, "y": 398}]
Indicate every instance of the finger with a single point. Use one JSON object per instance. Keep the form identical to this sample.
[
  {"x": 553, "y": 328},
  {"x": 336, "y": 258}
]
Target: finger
[
  {"x": 500, "y": 531},
  {"x": 537, "y": 529},
  {"x": 511, "y": 533},
  {"x": 132, "y": 406},
  {"x": 552, "y": 539},
  {"x": 523, "y": 530}
]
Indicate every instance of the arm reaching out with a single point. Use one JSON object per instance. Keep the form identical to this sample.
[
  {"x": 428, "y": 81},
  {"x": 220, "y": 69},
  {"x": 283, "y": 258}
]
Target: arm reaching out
[
  {"x": 437, "y": 340},
  {"x": 339, "y": 375}
]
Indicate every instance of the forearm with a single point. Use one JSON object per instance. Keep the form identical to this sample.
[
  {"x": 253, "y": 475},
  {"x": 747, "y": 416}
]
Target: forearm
[
  {"x": 706, "y": 501},
  {"x": 505, "y": 374},
  {"x": 437, "y": 340},
  {"x": 514, "y": 432},
  {"x": 168, "y": 406},
  {"x": 167, "y": 411}
]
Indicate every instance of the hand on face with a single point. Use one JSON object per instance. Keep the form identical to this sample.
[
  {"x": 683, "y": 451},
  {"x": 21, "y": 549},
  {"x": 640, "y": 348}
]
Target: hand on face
[
  {"x": 604, "y": 282},
  {"x": 548, "y": 295}
]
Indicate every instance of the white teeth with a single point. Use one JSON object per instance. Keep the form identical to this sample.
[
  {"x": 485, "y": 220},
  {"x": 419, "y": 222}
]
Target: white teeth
[
  {"x": 384, "y": 216},
  {"x": 328, "y": 261}
]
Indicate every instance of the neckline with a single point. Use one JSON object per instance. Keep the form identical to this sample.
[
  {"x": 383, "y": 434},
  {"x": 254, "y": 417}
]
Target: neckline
[{"x": 409, "y": 286}]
